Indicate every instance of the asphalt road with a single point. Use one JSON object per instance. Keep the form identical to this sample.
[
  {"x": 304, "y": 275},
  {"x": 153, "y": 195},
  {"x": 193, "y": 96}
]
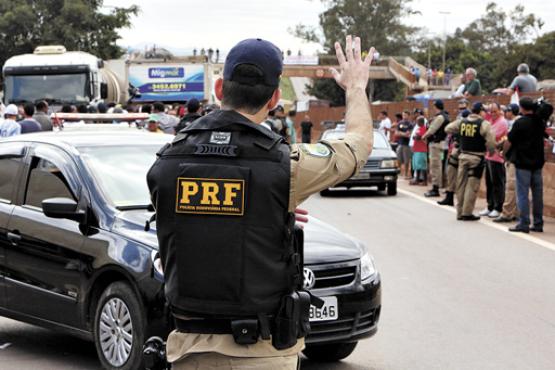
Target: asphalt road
[{"x": 455, "y": 295}]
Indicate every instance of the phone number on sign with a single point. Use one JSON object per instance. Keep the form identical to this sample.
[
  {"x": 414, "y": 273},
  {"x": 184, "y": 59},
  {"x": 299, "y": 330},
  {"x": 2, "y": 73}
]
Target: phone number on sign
[{"x": 168, "y": 87}]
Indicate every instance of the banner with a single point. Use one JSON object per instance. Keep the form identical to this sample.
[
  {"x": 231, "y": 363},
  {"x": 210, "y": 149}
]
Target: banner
[{"x": 167, "y": 82}]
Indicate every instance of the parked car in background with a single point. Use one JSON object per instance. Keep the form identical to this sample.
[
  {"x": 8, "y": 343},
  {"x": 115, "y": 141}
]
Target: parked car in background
[
  {"x": 75, "y": 254},
  {"x": 381, "y": 168}
]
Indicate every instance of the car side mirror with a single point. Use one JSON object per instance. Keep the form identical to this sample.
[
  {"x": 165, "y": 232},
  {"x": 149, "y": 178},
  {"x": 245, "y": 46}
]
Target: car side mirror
[
  {"x": 62, "y": 208},
  {"x": 104, "y": 90}
]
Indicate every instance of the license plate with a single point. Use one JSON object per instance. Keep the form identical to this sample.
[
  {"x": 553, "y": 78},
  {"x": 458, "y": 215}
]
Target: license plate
[
  {"x": 329, "y": 310},
  {"x": 361, "y": 176}
]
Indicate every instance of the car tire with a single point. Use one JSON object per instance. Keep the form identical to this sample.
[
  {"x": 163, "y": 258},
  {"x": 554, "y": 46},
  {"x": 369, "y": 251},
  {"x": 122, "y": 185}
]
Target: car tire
[
  {"x": 119, "y": 328},
  {"x": 325, "y": 192},
  {"x": 329, "y": 352},
  {"x": 381, "y": 187},
  {"x": 392, "y": 188}
]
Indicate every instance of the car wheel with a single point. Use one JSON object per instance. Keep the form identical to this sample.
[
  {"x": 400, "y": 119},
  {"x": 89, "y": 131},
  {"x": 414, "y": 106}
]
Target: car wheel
[
  {"x": 381, "y": 187},
  {"x": 325, "y": 192},
  {"x": 119, "y": 328},
  {"x": 329, "y": 352},
  {"x": 392, "y": 188}
]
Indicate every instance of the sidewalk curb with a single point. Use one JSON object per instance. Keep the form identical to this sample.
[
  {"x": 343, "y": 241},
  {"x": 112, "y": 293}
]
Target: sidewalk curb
[{"x": 527, "y": 237}]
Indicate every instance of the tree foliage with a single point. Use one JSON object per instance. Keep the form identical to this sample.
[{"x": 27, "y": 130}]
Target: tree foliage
[
  {"x": 492, "y": 44},
  {"x": 76, "y": 24},
  {"x": 377, "y": 22}
]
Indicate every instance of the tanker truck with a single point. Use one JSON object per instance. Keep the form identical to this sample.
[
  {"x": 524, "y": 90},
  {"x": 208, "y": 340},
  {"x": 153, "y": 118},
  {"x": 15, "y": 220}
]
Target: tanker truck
[
  {"x": 53, "y": 74},
  {"x": 59, "y": 76}
]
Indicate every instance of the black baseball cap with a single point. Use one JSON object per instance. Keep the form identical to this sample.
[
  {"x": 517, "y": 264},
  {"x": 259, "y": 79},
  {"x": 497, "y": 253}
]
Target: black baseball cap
[
  {"x": 478, "y": 107},
  {"x": 257, "y": 52},
  {"x": 439, "y": 104}
]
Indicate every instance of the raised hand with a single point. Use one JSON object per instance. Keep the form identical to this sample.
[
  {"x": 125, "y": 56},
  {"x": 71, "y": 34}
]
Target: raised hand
[{"x": 354, "y": 71}]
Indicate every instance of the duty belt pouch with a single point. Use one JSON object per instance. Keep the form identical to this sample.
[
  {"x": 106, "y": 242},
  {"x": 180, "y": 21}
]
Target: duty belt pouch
[
  {"x": 245, "y": 331},
  {"x": 286, "y": 322}
]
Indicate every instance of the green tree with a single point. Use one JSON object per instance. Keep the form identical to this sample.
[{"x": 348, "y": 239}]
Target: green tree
[
  {"x": 76, "y": 24},
  {"x": 377, "y": 22},
  {"x": 492, "y": 43}
]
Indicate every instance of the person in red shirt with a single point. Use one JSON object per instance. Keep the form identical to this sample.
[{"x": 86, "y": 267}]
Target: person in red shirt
[{"x": 420, "y": 154}]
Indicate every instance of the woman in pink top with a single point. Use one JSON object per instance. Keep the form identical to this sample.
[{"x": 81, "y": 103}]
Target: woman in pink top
[{"x": 495, "y": 171}]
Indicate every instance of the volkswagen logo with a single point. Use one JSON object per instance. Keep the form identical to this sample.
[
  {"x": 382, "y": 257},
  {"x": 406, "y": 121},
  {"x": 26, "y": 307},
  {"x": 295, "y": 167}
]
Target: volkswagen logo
[{"x": 309, "y": 279}]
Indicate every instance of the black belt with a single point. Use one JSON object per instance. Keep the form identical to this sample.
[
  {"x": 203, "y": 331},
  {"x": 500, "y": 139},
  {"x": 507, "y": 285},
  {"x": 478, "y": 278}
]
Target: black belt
[{"x": 203, "y": 326}]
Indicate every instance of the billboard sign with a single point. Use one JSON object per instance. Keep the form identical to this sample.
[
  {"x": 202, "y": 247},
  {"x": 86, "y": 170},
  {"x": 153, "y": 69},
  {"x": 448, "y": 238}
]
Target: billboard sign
[{"x": 167, "y": 82}]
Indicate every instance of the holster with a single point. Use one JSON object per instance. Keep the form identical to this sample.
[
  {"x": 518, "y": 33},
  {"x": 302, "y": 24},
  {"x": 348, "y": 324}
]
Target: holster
[
  {"x": 292, "y": 320},
  {"x": 478, "y": 171}
]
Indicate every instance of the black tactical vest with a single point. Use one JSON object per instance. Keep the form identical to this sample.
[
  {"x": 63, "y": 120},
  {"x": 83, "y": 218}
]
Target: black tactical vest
[
  {"x": 221, "y": 192},
  {"x": 470, "y": 138},
  {"x": 440, "y": 134}
]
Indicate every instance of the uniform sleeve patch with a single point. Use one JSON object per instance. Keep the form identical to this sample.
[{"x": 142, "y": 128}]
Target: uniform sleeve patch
[{"x": 316, "y": 150}]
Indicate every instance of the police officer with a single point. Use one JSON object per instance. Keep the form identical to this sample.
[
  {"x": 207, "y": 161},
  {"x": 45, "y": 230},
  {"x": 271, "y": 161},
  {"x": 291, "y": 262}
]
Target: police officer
[
  {"x": 453, "y": 159},
  {"x": 436, "y": 138},
  {"x": 224, "y": 193},
  {"x": 475, "y": 137}
]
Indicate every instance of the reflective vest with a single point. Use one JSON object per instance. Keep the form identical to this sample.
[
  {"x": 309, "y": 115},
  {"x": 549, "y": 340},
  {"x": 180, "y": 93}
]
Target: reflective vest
[{"x": 470, "y": 138}]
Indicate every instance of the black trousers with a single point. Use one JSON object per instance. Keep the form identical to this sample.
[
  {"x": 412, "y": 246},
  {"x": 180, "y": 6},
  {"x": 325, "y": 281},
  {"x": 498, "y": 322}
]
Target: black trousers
[{"x": 495, "y": 185}]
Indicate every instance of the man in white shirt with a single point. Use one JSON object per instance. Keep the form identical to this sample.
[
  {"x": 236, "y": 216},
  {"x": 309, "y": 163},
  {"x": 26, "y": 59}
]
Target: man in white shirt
[{"x": 385, "y": 124}]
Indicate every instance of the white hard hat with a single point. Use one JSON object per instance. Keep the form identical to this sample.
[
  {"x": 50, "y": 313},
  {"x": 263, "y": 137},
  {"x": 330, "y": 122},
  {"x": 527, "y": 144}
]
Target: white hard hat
[{"x": 11, "y": 110}]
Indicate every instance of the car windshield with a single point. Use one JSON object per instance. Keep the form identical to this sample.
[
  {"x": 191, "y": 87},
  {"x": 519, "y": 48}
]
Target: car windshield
[
  {"x": 70, "y": 88},
  {"x": 379, "y": 140},
  {"x": 120, "y": 171}
]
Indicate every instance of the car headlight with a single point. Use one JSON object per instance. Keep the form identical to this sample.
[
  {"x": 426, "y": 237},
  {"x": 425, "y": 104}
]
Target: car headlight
[
  {"x": 388, "y": 163},
  {"x": 367, "y": 267}
]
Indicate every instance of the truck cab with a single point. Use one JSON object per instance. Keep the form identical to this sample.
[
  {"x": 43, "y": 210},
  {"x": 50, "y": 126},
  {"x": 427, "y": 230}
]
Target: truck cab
[{"x": 53, "y": 74}]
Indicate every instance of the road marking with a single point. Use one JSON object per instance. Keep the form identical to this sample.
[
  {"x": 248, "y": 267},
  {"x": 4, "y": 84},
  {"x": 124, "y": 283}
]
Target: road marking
[
  {"x": 4, "y": 346},
  {"x": 532, "y": 239}
]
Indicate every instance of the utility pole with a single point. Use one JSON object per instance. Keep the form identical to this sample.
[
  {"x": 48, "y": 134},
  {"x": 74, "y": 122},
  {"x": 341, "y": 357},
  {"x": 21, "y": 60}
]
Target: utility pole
[{"x": 445, "y": 14}]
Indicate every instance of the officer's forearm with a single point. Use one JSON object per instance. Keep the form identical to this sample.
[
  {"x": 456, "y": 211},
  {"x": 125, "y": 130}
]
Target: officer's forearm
[{"x": 357, "y": 118}]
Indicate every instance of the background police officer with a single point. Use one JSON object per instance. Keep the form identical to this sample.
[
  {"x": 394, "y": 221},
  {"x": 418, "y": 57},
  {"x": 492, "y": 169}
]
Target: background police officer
[
  {"x": 436, "y": 137},
  {"x": 248, "y": 91},
  {"x": 453, "y": 159},
  {"x": 475, "y": 137}
]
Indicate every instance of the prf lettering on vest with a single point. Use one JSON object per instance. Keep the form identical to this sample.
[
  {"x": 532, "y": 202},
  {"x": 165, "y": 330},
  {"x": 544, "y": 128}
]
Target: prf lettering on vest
[
  {"x": 468, "y": 129},
  {"x": 210, "y": 196}
]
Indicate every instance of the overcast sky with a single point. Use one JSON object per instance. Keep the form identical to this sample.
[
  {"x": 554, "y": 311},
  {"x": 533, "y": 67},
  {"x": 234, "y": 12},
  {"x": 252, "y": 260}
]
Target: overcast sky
[{"x": 185, "y": 24}]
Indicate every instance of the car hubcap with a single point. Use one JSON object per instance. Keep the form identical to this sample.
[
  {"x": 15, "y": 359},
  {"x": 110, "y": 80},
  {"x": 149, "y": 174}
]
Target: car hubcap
[{"x": 116, "y": 332}]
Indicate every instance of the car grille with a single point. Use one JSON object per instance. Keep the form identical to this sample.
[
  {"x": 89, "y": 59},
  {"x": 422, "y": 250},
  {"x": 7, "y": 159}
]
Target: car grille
[
  {"x": 345, "y": 326},
  {"x": 372, "y": 164},
  {"x": 334, "y": 277}
]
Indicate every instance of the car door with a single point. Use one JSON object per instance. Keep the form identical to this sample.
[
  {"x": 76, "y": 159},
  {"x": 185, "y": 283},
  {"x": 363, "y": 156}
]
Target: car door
[
  {"x": 44, "y": 264},
  {"x": 11, "y": 164}
]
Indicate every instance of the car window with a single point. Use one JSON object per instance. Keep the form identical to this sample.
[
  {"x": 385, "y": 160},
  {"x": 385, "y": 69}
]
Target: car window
[
  {"x": 11, "y": 160},
  {"x": 45, "y": 181},
  {"x": 9, "y": 167},
  {"x": 380, "y": 141}
]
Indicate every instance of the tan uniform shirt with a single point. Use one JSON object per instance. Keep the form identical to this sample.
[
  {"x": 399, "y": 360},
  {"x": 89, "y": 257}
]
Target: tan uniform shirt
[
  {"x": 314, "y": 167},
  {"x": 485, "y": 131}
]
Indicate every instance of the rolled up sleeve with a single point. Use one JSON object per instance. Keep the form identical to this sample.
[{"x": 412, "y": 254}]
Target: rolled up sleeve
[{"x": 315, "y": 167}]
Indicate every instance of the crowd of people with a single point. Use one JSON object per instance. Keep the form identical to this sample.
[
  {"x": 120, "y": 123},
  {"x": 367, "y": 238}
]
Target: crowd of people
[
  {"x": 504, "y": 144},
  {"x": 170, "y": 119}
]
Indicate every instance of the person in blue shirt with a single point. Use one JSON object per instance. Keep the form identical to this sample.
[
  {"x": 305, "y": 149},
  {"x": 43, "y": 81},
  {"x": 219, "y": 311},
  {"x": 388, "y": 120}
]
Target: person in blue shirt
[{"x": 10, "y": 127}]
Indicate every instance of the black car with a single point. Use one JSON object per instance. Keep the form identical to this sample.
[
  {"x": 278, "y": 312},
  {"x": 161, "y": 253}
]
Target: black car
[
  {"x": 380, "y": 170},
  {"x": 75, "y": 256}
]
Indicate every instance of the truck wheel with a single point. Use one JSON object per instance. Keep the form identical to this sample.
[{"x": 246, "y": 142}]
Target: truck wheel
[
  {"x": 392, "y": 188},
  {"x": 329, "y": 352},
  {"x": 381, "y": 187},
  {"x": 119, "y": 322}
]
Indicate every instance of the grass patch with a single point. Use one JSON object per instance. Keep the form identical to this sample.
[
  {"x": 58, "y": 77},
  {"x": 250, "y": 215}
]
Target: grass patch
[{"x": 287, "y": 91}]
